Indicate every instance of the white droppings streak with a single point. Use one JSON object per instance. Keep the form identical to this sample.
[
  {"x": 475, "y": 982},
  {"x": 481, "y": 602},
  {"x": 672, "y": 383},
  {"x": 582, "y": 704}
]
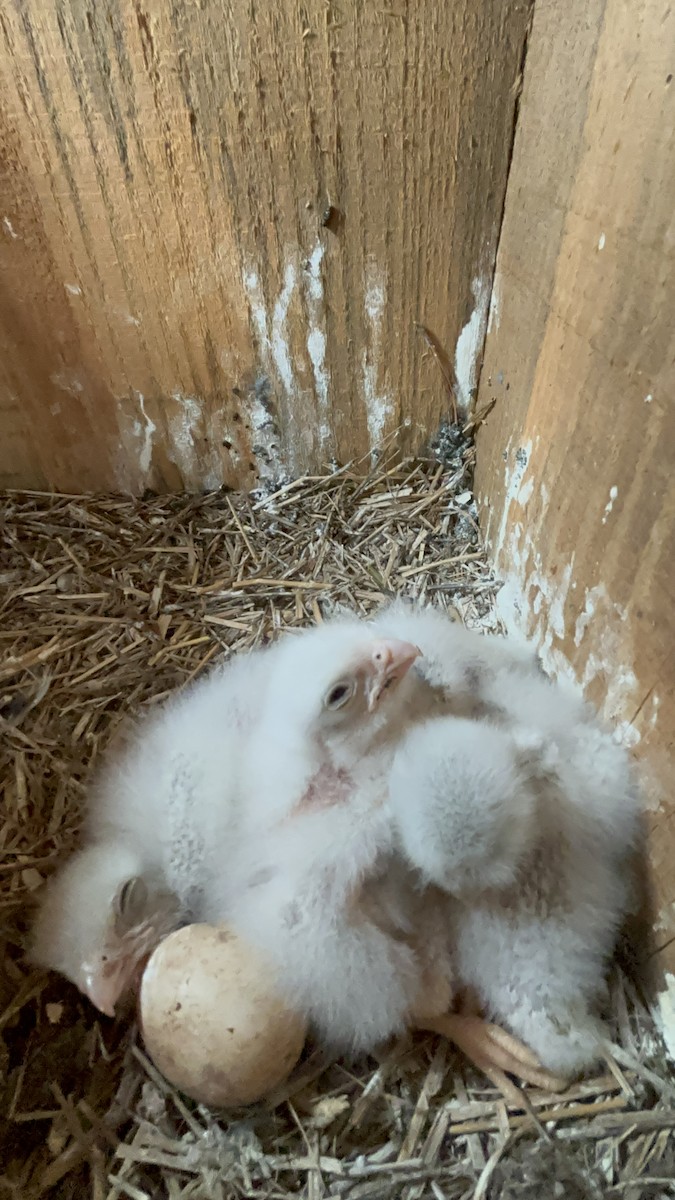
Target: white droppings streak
[
  {"x": 270, "y": 465},
  {"x": 184, "y": 423},
  {"x": 513, "y": 480},
  {"x": 9, "y": 228},
  {"x": 378, "y": 401},
  {"x": 314, "y": 281},
  {"x": 148, "y": 430},
  {"x": 557, "y": 600},
  {"x": 197, "y": 431},
  {"x": 525, "y": 493},
  {"x": 625, "y": 734},
  {"x": 316, "y": 340},
  {"x": 533, "y": 603},
  {"x": 590, "y": 600},
  {"x": 613, "y": 493},
  {"x": 73, "y": 289},
  {"x": 648, "y": 398},
  {"x": 68, "y": 381},
  {"x": 601, "y": 241},
  {"x": 280, "y": 350},
  {"x": 469, "y": 344},
  {"x": 256, "y": 302}
]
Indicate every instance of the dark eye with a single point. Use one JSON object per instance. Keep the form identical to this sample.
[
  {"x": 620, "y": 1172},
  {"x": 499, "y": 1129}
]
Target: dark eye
[
  {"x": 339, "y": 694},
  {"x": 131, "y": 898}
]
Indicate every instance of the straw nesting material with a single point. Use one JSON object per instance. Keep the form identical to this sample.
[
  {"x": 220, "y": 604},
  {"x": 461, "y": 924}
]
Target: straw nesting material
[{"x": 107, "y": 605}]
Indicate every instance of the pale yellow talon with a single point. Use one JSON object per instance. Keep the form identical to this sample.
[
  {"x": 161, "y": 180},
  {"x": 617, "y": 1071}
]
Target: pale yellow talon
[{"x": 495, "y": 1051}]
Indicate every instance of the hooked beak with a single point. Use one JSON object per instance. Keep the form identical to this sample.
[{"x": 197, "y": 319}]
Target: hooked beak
[
  {"x": 389, "y": 663},
  {"x": 107, "y": 983}
]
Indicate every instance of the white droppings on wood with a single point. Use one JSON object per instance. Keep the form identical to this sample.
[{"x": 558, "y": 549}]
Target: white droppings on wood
[
  {"x": 613, "y": 493},
  {"x": 68, "y": 381},
  {"x": 146, "y": 431},
  {"x": 601, "y": 241},
  {"x": 258, "y": 309},
  {"x": 275, "y": 355},
  {"x": 127, "y": 317},
  {"x": 316, "y": 340},
  {"x": 279, "y": 341},
  {"x": 591, "y": 598},
  {"x": 533, "y": 603},
  {"x": 625, "y": 734},
  {"x": 9, "y": 228},
  {"x": 648, "y": 398},
  {"x": 73, "y": 289},
  {"x": 200, "y": 468},
  {"x": 470, "y": 344},
  {"x": 514, "y": 475},
  {"x": 377, "y": 399},
  {"x": 525, "y": 493},
  {"x": 271, "y": 469}
]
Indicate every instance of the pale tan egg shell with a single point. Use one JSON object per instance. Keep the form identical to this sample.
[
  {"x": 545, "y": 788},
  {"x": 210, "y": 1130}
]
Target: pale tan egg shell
[{"x": 212, "y": 1021}]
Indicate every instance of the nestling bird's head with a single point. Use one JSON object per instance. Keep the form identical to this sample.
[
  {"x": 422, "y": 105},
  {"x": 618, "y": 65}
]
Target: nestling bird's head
[
  {"x": 98, "y": 924},
  {"x": 341, "y": 678}
]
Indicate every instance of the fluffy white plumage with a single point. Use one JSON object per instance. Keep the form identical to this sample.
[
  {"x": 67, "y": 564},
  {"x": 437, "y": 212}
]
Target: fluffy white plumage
[
  {"x": 261, "y": 796},
  {"x": 161, "y": 812},
  {"x": 464, "y": 801},
  {"x": 535, "y": 949},
  {"x": 312, "y": 883},
  {"x": 319, "y": 881}
]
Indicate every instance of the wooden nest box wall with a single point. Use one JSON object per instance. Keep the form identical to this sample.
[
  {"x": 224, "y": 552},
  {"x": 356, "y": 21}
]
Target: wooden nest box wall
[{"x": 239, "y": 243}]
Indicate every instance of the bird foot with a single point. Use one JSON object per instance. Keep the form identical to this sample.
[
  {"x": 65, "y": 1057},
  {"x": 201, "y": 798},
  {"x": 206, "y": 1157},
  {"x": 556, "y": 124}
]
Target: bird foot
[{"x": 494, "y": 1052}]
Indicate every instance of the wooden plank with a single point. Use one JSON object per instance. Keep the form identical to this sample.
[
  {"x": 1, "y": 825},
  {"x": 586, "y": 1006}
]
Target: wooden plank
[
  {"x": 575, "y": 470},
  {"x": 221, "y": 222}
]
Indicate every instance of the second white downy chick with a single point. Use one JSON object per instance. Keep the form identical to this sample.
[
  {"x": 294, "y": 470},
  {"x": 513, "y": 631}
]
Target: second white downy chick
[
  {"x": 158, "y": 828},
  {"x": 319, "y": 882},
  {"x": 100, "y": 920},
  {"x": 535, "y": 949},
  {"x": 464, "y": 800},
  {"x": 314, "y": 828}
]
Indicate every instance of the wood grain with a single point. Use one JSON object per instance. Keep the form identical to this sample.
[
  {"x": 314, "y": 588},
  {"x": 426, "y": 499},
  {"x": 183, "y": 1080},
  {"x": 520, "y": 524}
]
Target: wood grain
[
  {"x": 576, "y": 460},
  {"x": 220, "y": 222}
]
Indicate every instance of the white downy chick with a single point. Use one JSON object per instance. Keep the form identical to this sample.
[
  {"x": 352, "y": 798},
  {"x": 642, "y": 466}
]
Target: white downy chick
[
  {"x": 100, "y": 920},
  {"x": 536, "y": 950},
  {"x": 464, "y": 801},
  {"x": 320, "y": 883},
  {"x": 316, "y": 831},
  {"x": 160, "y": 813}
]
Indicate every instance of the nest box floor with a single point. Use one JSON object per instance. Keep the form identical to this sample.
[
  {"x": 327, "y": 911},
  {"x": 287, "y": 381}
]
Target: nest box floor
[{"x": 108, "y": 604}]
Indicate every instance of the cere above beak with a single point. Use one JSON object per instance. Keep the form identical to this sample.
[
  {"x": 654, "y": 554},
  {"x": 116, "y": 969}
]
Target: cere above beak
[{"x": 390, "y": 661}]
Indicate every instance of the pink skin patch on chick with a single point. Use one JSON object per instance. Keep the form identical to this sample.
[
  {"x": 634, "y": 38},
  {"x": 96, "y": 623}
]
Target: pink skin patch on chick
[
  {"x": 328, "y": 786},
  {"x": 388, "y": 662}
]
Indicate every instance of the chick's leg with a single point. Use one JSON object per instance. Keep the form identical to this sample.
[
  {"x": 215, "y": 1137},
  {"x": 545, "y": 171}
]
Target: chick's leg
[{"x": 494, "y": 1052}]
